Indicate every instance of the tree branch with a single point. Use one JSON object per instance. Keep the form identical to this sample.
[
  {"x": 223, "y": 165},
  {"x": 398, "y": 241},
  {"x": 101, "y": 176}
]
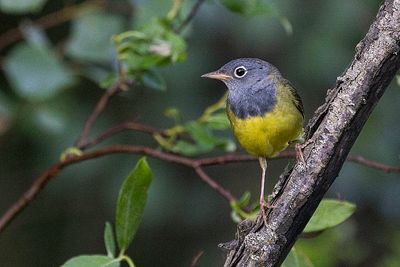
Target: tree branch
[
  {"x": 196, "y": 164},
  {"x": 53, "y": 19},
  {"x": 332, "y": 132},
  {"x": 53, "y": 171}
]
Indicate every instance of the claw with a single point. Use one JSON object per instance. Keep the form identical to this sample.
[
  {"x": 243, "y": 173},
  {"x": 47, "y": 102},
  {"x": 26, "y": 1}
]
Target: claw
[
  {"x": 299, "y": 153},
  {"x": 270, "y": 206},
  {"x": 263, "y": 205}
]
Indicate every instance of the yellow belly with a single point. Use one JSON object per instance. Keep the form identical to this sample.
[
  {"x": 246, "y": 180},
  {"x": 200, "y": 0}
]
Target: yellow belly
[{"x": 266, "y": 136}]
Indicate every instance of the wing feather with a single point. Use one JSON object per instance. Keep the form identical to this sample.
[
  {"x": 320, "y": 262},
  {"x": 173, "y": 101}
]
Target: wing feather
[{"x": 296, "y": 97}]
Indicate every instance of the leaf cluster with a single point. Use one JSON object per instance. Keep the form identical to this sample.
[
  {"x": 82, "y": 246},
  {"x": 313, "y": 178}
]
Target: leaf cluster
[
  {"x": 153, "y": 45},
  {"x": 201, "y": 134}
]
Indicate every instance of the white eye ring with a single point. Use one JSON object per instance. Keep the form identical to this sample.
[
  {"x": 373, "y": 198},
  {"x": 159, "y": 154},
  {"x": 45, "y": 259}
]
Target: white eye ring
[{"x": 240, "y": 72}]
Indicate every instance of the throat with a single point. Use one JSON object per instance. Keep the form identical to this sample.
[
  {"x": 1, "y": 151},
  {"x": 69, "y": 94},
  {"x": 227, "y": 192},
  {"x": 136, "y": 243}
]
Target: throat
[{"x": 251, "y": 104}]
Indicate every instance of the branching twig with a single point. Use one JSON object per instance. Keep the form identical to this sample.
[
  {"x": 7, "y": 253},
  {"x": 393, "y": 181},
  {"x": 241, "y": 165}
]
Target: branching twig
[
  {"x": 53, "y": 171},
  {"x": 190, "y": 16},
  {"x": 130, "y": 125},
  {"x": 60, "y": 16},
  {"x": 112, "y": 91},
  {"x": 195, "y": 164},
  {"x": 214, "y": 185}
]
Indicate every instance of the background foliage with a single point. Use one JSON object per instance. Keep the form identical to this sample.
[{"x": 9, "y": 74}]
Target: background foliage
[{"x": 49, "y": 84}]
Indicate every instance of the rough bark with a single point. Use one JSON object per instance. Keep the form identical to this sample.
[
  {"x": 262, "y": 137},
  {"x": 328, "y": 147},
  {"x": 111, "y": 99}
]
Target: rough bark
[{"x": 331, "y": 132}]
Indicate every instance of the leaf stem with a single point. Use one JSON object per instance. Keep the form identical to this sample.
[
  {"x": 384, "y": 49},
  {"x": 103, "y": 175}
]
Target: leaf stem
[{"x": 128, "y": 260}]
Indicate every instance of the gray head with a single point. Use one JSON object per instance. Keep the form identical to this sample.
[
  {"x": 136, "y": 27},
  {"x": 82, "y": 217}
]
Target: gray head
[
  {"x": 251, "y": 85},
  {"x": 245, "y": 74}
]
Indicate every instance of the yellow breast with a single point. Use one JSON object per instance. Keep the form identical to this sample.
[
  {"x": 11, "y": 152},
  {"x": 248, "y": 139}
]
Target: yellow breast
[{"x": 266, "y": 136}]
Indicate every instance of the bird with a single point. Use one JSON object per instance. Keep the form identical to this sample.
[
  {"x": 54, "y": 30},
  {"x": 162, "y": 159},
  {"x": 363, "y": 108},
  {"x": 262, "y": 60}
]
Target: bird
[{"x": 265, "y": 111}]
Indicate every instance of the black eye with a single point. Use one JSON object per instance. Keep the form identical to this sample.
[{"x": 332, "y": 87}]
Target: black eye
[{"x": 240, "y": 72}]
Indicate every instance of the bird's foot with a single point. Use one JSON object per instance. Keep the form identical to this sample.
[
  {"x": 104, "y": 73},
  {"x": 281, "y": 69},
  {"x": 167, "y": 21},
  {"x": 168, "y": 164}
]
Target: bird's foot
[
  {"x": 264, "y": 205},
  {"x": 270, "y": 206},
  {"x": 299, "y": 153}
]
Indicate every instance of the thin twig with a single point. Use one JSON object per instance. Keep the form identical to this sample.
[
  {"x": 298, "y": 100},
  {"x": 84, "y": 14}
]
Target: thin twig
[
  {"x": 214, "y": 185},
  {"x": 101, "y": 104},
  {"x": 196, "y": 258},
  {"x": 130, "y": 125},
  {"x": 29, "y": 195},
  {"x": 190, "y": 16},
  {"x": 233, "y": 158},
  {"x": 373, "y": 164},
  {"x": 53, "y": 19}
]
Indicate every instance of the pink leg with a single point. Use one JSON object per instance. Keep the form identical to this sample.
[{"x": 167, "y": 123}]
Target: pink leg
[
  {"x": 263, "y": 205},
  {"x": 299, "y": 153}
]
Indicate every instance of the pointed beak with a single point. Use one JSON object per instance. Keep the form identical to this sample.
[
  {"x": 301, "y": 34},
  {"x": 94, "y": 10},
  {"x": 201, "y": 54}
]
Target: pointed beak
[{"x": 217, "y": 75}]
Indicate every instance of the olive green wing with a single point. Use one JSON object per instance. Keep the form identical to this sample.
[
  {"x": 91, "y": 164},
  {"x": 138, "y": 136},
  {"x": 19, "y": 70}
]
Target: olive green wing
[{"x": 296, "y": 97}]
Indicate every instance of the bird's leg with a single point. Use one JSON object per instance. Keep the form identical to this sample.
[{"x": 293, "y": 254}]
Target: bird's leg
[
  {"x": 299, "y": 153},
  {"x": 263, "y": 165}
]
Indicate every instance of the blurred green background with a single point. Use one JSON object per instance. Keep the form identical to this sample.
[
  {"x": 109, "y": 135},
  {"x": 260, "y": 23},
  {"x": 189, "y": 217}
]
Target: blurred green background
[{"x": 183, "y": 216}]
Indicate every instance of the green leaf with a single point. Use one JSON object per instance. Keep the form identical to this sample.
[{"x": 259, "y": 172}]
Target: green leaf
[
  {"x": 34, "y": 35},
  {"x": 204, "y": 141},
  {"x": 218, "y": 121},
  {"x": 286, "y": 25},
  {"x": 109, "y": 241},
  {"x": 226, "y": 145},
  {"x": 297, "y": 259},
  {"x": 174, "y": 114},
  {"x": 201, "y": 134},
  {"x": 21, "y": 6},
  {"x": 91, "y": 36},
  {"x": 153, "y": 79},
  {"x": 205, "y": 138},
  {"x": 131, "y": 201},
  {"x": 248, "y": 7},
  {"x": 49, "y": 119},
  {"x": 36, "y": 73},
  {"x": 92, "y": 261},
  {"x": 329, "y": 213},
  {"x": 187, "y": 149},
  {"x": 244, "y": 200},
  {"x": 238, "y": 212}
]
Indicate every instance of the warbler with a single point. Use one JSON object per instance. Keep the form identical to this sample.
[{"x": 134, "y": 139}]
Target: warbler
[{"x": 264, "y": 109}]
